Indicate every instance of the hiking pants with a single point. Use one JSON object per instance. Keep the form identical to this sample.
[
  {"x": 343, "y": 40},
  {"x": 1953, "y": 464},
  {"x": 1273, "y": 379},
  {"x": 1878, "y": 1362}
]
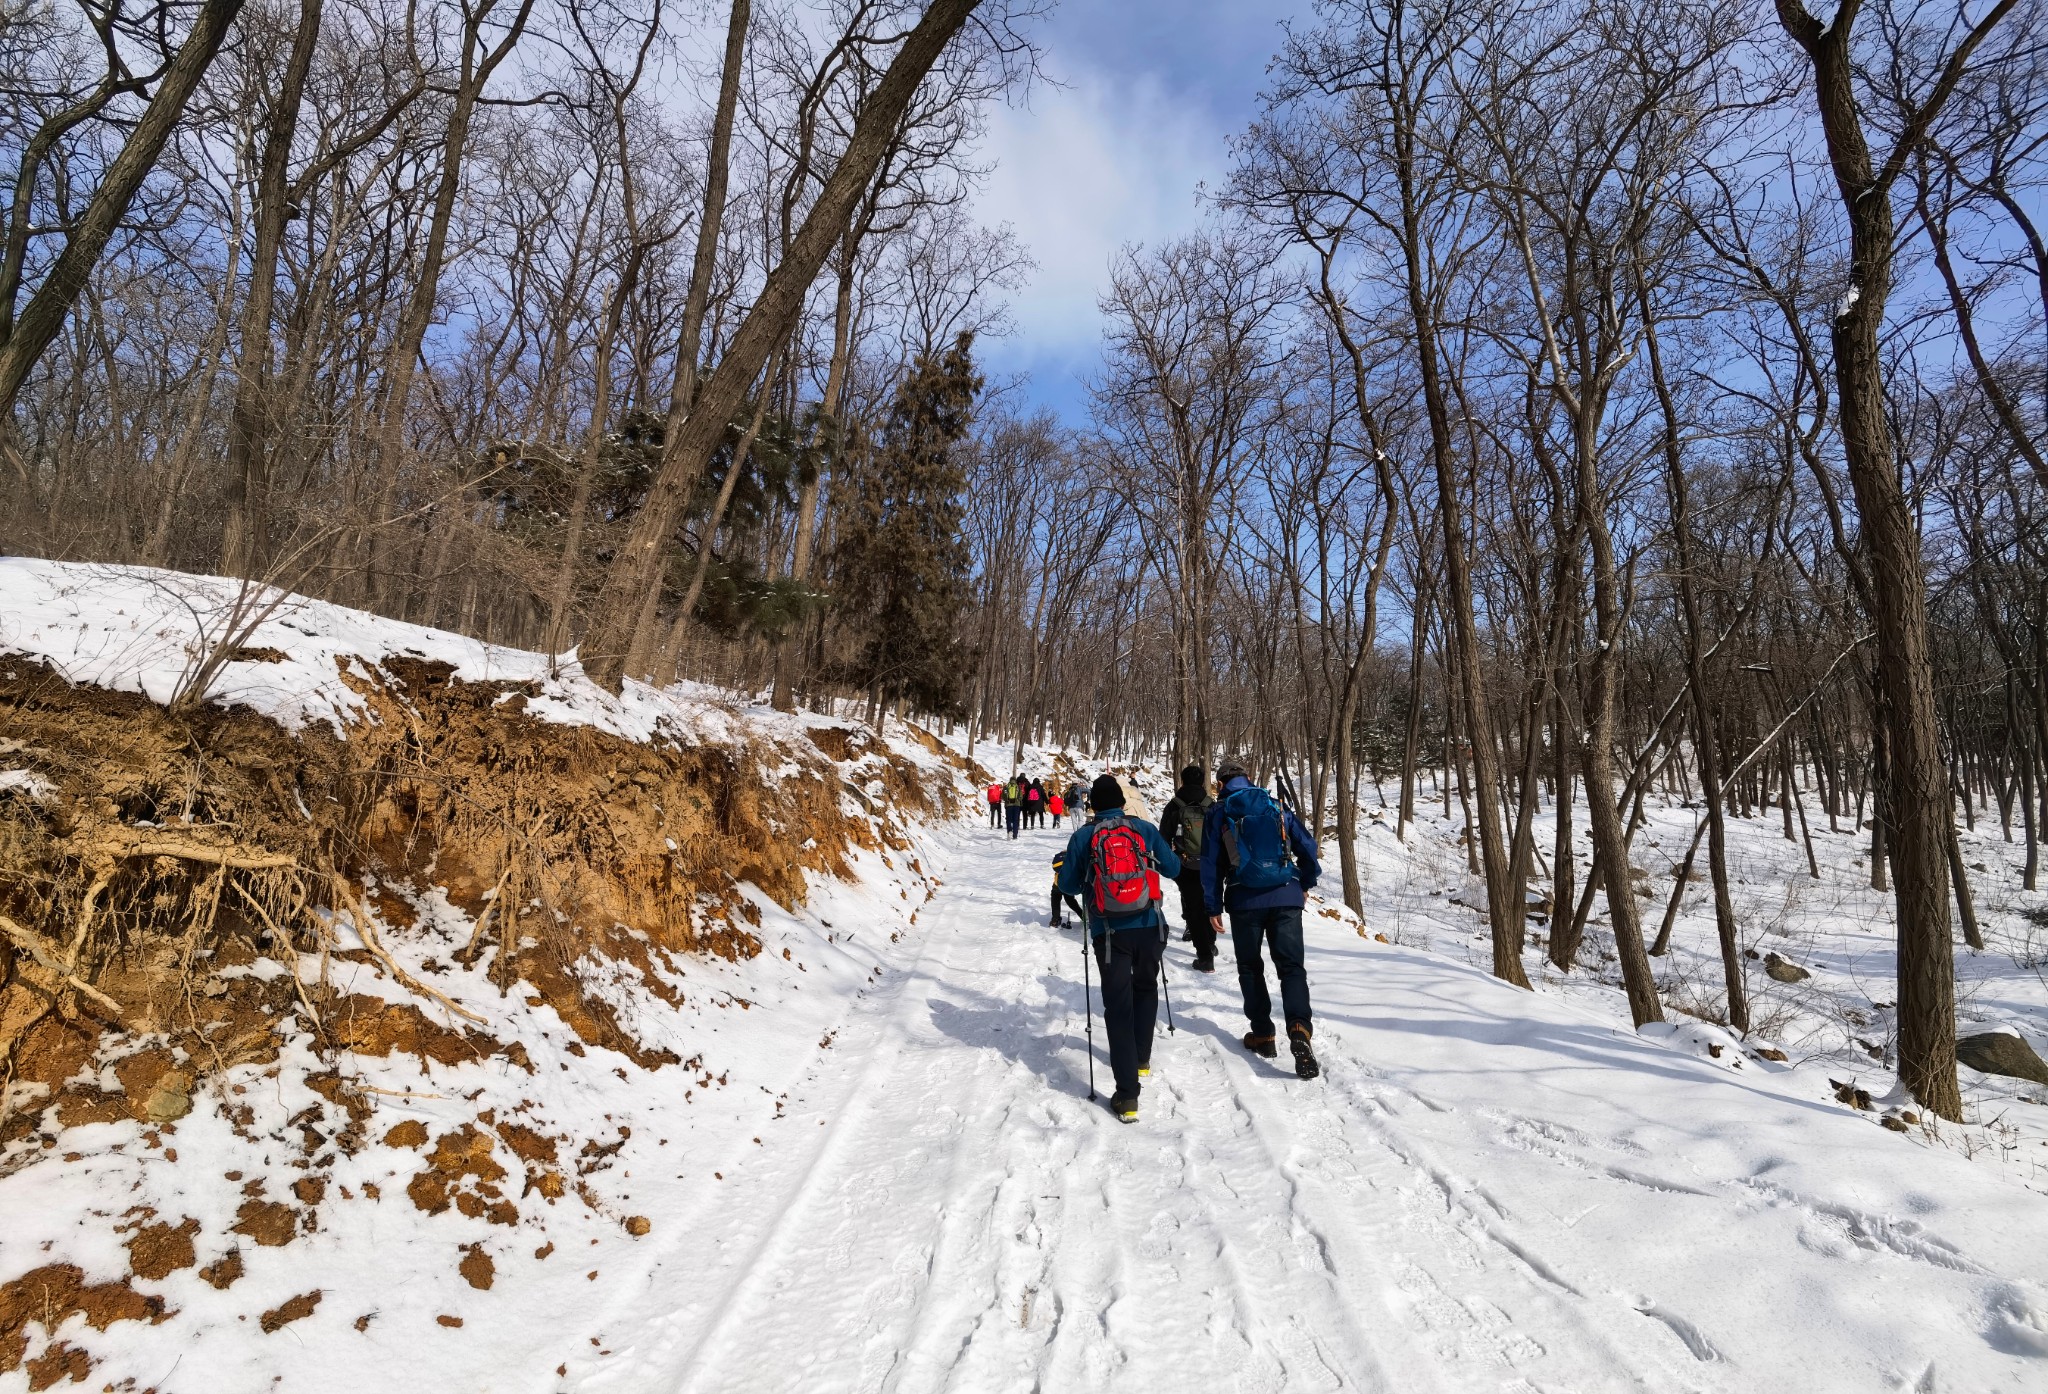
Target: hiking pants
[
  {"x": 1057, "y": 899},
  {"x": 1012, "y": 814},
  {"x": 1196, "y": 914},
  {"x": 995, "y": 813},
  {"x": 1280, "y": 927},
  {"x": 1130, "y": 1001}
]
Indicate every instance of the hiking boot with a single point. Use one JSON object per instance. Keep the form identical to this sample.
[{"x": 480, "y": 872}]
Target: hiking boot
[
  {"x": 1205, "y": 965},
  {"x": 1126, "y": 1109},
  {"x": 1259, "y": 1045},
  {"x": 1305, "y": 1066},
  {"x": 1187, "y": 936}
]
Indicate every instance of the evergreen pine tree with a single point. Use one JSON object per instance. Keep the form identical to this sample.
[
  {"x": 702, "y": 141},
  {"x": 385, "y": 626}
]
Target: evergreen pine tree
[{"x": 900, "y": 561}]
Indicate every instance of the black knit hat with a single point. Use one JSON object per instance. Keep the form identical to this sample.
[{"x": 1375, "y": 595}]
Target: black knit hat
[
  {"x": 1193, "y": 777},
  {"x": 1105, "y": 793}
]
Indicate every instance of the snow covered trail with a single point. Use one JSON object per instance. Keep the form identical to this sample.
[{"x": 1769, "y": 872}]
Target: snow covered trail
[{"x": 1488, "y": 1190}]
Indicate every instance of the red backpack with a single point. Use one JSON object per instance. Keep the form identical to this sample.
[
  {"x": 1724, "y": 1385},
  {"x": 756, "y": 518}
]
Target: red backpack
[{"x": 1125, "y": 877}]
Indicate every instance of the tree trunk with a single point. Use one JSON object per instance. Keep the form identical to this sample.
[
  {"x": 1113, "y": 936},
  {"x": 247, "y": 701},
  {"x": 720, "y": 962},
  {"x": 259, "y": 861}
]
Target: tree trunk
[
  {"x": 403, "y": 365},
  {"x": 766, "y": 324},
  {"x": 43, "y": 317},
  {"x": 245, "y": 548}
]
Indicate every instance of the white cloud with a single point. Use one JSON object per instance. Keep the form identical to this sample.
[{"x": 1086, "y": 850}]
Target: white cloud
[{"x": 1102, "y": 161}]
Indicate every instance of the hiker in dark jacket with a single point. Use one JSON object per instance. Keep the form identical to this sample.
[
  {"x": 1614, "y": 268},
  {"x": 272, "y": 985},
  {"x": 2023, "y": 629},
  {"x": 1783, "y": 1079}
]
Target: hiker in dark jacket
[
  {"x": 1258, "y": 862},
  {"x": 1034, "y": 804},
  {"x": 1182, "y": 826},
  {"x": 1013, "y": 803},
  {"x": 1077, "y": 801},
  {"x": 1126, "y": 945}
]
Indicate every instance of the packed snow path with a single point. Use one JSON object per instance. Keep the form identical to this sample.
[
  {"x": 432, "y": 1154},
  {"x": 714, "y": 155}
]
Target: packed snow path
[{"x": 1488, "y": 1190}]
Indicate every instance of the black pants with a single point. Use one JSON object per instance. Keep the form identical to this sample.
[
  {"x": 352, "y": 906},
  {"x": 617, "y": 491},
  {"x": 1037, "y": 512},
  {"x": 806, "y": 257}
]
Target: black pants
[
  {"x": 1196, "y": 914},
  {"x": 995, "y": 814},
  {"x": 1079, "y": 918},
  {"x": 1130, "y": 1001},
  {"x": 1279, "y": 929}
]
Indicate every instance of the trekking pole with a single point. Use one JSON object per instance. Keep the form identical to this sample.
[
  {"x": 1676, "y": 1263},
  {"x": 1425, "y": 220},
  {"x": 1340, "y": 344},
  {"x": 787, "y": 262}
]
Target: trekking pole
[
  {"x": 1164, "y": 993},
  {"x": 1088, "y": 1004}
]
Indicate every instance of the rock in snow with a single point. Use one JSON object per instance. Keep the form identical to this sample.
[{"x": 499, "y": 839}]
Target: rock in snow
[{"x": 2002, "y": 1053}]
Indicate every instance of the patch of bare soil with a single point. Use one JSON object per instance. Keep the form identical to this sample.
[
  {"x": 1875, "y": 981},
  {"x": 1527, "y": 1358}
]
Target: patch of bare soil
[
  {"x": 461, "y": 1172},
  {"x": 181, "y": 849},
  {"x": 158, "y": 1250},
  {"x": 49, "y": 1296},
  {"x": 290, "y": 1310}
]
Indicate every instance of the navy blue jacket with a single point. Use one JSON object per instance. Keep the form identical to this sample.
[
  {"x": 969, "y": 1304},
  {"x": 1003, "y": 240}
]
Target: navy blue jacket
[
  {"x": 1075, "y": 871},
  {"x": 1218, "y": 896}
]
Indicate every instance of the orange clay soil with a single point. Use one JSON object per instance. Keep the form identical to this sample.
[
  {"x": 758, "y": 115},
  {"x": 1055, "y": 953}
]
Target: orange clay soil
[{"x": 179, "y": 849}]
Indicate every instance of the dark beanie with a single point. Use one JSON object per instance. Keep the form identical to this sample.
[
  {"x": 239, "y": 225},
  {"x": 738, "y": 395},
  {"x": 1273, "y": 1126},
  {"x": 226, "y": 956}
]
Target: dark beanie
[
  {"x": 1231, "y": 769},
  {"x": 1105, "y": 793},
  {"x": 1193, "y": 777}
]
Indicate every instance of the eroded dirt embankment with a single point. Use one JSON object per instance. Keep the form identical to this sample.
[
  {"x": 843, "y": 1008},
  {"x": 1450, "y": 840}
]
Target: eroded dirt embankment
[{"x": 153, "y": 868}]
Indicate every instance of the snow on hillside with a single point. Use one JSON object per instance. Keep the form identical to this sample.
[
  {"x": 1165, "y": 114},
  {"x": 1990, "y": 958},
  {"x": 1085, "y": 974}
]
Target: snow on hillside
[
  {"x": 298, "y": 661},
  {"x": 1835, "y": 1024}
]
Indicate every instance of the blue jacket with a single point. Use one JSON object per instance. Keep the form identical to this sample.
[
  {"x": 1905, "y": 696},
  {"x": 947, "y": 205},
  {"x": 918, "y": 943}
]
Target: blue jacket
[
  {"x": 1075, "y": 872},
  {"x": 1217, "y": 896}
]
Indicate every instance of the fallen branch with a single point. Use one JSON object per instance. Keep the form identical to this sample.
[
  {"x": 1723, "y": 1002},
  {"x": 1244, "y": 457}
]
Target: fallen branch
[
  {"x": 469, "y": 952},
  {"x": 368, "y": 933},
  {"x": 47, "y": 958}
]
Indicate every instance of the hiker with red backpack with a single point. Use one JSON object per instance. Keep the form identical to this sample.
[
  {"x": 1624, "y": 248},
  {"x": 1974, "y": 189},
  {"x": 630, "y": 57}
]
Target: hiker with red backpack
[
  {"x": 1258, "y": 863},
  {"x": 995, "y": 806},
  {"x": 1115, "y": 863}
]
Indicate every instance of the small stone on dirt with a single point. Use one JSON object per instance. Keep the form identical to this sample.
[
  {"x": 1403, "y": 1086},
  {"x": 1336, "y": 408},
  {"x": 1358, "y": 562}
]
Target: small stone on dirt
[{"x": 171, "y": 1099}]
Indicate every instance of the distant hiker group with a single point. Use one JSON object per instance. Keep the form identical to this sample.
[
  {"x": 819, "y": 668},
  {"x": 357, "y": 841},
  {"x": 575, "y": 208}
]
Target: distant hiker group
[
  {"x": 1023, "y": 803},
  {"x": 1242, "y": 854}
]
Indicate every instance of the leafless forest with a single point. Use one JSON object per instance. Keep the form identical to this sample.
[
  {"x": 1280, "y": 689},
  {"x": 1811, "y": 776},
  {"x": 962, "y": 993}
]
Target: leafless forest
[{"x": 1569, "y": 396}]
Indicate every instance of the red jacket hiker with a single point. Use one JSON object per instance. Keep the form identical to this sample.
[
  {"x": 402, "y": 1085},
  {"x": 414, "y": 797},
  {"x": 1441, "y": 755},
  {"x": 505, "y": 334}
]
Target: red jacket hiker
[{"x": 995, "y": 805}]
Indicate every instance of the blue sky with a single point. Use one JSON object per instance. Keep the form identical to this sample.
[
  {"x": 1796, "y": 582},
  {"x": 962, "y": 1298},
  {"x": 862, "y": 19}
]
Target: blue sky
[{"x": 1150, "y": 92}]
